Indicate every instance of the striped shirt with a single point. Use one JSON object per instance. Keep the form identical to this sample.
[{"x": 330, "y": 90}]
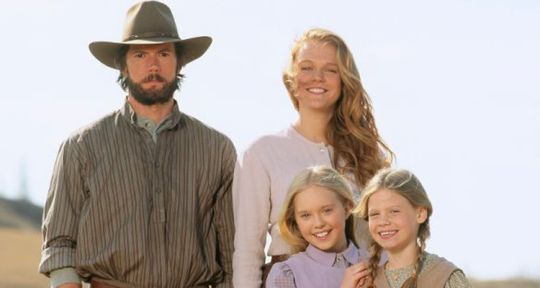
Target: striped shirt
[{"x": 147, "y": 213}]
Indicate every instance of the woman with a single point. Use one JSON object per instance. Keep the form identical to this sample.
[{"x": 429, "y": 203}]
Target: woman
[{"x": 335, "y": 127}]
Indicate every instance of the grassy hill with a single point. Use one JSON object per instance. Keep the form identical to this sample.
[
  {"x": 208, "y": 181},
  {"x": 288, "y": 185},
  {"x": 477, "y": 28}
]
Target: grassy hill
[
  {"x": 513, "y": 283},
  {"x": 20, "y": 255},
  {"x": 20, "y": 214},
  {"x": 20, "y": 236}
]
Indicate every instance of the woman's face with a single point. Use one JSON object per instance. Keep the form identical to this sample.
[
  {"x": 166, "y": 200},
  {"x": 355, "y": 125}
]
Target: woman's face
[{"x": 318, "y": 81}]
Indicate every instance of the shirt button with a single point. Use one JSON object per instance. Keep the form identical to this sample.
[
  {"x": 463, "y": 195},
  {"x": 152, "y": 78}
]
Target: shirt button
[{"x": 322, "y": 150}]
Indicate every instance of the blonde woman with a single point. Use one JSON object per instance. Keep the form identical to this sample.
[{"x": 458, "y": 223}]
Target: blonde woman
[
  {"x": 335, "y": 127},
  {"x": 398, "y": 209}
]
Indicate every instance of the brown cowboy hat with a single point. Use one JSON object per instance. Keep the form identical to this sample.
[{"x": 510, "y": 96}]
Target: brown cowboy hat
[{"x": 149, "y": 22}]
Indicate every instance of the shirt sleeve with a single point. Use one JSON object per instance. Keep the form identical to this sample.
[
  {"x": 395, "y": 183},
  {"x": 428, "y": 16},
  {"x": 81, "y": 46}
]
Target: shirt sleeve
[
  {"x": 224, "y": 216},
  {"x": 251, "y": 200},
  {"x": 64, "y": 276},
  {"x": 62, "y": 209},
  {"x": 457, "y": 280},
  {"x": 280, "y": 276}
]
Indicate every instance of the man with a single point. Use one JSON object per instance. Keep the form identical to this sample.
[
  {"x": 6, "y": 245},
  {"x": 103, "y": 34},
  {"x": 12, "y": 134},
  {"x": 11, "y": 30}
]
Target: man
[{"x": 142, "y": 197}]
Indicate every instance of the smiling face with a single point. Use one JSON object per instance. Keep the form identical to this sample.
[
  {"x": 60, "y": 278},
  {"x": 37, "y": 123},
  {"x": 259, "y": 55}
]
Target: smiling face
[
  {"x": 321, "y": 216},
  {"x": 317, "y": 79},
  {"x": 393, "y": 221}
]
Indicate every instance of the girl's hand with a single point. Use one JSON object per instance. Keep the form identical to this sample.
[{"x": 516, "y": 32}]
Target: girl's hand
[
  {"x": 70, "y": 285},
  {"x": 357, "y": 276}
]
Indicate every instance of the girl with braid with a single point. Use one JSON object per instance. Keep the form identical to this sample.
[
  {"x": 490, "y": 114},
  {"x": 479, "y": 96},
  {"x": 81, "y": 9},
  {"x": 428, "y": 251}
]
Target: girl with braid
[{"x": 397, "y": 209}]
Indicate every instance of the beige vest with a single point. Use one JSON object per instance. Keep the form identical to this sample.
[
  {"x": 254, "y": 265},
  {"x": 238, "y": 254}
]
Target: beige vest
[{"x": 434, "y": 276}]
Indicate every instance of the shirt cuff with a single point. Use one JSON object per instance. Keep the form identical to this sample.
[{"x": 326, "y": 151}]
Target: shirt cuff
[{"x": 63, "y": 276}]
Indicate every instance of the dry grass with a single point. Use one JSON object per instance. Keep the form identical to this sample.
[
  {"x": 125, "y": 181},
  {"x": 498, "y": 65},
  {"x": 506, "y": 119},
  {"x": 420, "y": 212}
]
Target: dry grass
[
  {"x": 20, "y": 253},
  {"x": 514, "y": 283}
]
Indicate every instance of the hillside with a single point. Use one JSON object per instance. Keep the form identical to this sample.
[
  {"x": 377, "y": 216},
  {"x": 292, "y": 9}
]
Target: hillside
[
  {"x": 20, "y": 255},
  {"x": 514, "y": 283},
  {"x": 20, "y": 214},
  {"x": 20, "y": 223}
]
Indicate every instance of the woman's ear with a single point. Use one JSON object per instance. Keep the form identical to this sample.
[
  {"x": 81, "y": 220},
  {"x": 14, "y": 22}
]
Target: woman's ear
[{"x": 421, "y": 215}]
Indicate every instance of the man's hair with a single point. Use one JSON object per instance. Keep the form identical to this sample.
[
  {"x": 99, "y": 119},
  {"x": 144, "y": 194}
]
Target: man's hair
[{"x": 121, "y": 60}]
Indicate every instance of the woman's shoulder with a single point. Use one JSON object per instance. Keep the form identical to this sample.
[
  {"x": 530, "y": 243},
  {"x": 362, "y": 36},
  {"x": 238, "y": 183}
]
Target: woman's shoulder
[{"x": 280, "y": 140}]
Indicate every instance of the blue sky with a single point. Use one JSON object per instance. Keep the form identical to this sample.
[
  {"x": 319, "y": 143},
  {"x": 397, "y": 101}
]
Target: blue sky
[{"x": 454, "y": 85}]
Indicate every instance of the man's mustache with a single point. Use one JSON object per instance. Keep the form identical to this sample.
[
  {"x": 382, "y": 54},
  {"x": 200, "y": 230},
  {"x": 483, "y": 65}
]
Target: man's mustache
[{"x": 153, "y": 77}]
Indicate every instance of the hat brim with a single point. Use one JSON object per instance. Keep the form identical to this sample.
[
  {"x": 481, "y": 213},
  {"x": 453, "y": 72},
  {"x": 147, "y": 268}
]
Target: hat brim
[{"x": 192, "y": 48}]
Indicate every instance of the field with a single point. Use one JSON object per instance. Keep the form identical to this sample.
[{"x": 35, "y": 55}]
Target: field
[
  {"x": 19, "y": 259},
  {"x": 20, "y": 254}
]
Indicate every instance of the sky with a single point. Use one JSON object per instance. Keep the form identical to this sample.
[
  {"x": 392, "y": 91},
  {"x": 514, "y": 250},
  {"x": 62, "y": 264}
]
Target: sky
[{"x": 454, "y": 85}]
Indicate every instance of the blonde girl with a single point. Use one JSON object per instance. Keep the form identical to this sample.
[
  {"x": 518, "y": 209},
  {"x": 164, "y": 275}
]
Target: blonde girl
[
  {"x": 316, "y": 221},
  {"x": 398, "y": 209}
]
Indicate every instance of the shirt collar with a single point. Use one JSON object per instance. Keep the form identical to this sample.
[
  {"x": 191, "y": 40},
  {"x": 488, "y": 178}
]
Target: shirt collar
[
  {"x": 329, "y": 258},
  {"x": 172, "y": 120}
]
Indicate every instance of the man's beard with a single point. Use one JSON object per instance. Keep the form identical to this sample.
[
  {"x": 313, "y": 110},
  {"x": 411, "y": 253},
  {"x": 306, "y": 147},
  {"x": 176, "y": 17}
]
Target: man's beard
[{"x": 153, "y": 96}]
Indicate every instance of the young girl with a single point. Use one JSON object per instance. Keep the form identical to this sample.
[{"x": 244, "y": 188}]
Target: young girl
[
  {"x": 316, "y": 221},
  {"x": 397, "y": 209}
]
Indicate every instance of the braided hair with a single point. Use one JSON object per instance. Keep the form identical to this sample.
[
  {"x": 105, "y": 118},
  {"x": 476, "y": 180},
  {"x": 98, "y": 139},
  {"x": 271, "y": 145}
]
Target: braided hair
[{"x": 407, "y": 185}]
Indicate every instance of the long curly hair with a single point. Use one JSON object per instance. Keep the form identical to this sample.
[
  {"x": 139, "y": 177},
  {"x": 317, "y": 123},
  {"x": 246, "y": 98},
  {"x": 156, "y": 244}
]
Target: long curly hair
[
  {"x": 408, "y": 186},
  {"x": 358, "y": 148}
]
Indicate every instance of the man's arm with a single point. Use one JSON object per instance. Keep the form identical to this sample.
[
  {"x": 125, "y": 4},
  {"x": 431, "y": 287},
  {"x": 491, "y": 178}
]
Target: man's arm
[
  {"x": 224, "y": 215},
  {"x": 65, "y": 278},
  {"x": 61, "y": 212}
]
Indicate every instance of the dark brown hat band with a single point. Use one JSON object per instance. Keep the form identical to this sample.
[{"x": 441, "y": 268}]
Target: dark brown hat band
[{"x": 149, "y": 35}]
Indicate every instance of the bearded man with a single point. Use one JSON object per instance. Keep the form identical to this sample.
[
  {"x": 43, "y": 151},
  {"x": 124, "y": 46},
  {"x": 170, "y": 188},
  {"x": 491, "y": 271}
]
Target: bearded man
[{"x": 142, "y": 197}]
